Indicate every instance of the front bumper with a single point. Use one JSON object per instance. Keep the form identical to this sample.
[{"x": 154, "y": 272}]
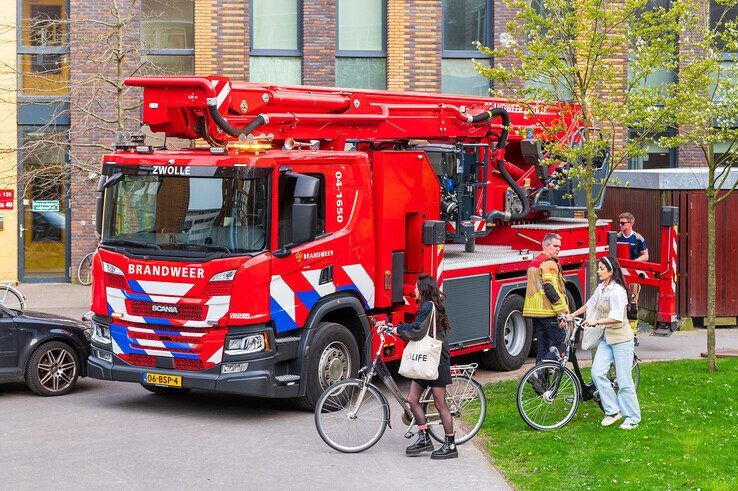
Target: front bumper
[{"x": 259, "y": 380}]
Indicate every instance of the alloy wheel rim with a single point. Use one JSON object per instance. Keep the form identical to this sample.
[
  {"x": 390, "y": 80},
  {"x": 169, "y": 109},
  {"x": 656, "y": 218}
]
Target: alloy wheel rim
[
  {"x": 514, "y": 333},
  {"x": 335, "y": 364},
  {"x": 56, "y": 370}
]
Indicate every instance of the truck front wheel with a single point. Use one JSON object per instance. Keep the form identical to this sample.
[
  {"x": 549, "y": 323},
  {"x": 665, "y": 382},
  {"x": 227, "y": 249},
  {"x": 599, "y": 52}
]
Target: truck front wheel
[
  {"x": 513, "y": 334},
  {"x": 334, "y": 356}
]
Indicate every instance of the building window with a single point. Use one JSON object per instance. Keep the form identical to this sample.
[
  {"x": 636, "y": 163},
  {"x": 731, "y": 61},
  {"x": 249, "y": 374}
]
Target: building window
[
  {"x": 464, "y": 23},
  {"x": 168, "y": 37},
  {"x": 722, "y": 18},
  {"x": 656, "y": 157},
  {"x": 43, "y": 49},
  {"x": 726, "y": 153},
  {"x": 276, "y": 46},
  {"x": 361, "y": 56}
]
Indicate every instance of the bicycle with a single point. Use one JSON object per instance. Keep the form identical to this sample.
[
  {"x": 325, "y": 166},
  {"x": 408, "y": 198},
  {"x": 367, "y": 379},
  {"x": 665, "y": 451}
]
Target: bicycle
[
  {"x": 352, "y": 415},
  {"x": 11, "y": 297},
  {"x": 549, "y": 394},
  {"x": 84, "y": 269}
]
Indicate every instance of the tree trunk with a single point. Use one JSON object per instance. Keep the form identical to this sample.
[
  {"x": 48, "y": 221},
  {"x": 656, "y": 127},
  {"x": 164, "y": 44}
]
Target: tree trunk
[
  {"x": 592, "y": 233},
  {"x": 711, "y": 281}
]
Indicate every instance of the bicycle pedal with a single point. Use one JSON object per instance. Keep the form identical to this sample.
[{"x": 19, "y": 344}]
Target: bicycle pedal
[{"x": 409, "y": 434}]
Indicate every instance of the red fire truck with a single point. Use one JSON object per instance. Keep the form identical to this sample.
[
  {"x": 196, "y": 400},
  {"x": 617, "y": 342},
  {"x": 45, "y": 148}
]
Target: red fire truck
[{"x": 253, "y": 261}]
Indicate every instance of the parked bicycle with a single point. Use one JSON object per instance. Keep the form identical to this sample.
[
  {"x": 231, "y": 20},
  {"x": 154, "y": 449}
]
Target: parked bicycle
[
  {"x": 352, "y": 415},
  {"x": 84, "y": 270},
  {"x": 549, "y": 394},
  {"x": 11, "y": 297}
]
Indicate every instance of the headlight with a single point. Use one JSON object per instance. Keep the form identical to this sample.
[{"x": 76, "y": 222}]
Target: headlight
[
  {"x": 112, "y": 269},
  {"x": 243, "y": 345},
  {"x": 103, "y": 355},
  {"x": 101, "y": 334},
  {"x": 88, "y": 332},
  {"x": 234, "y": 367},
  {"x": 224, "y": 276}
]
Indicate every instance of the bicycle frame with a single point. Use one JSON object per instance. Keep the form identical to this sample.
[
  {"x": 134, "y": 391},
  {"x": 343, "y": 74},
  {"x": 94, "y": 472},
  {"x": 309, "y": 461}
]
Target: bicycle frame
[
  {"x": 378, "y": 367},
  {"x": 570, "y": 353}
]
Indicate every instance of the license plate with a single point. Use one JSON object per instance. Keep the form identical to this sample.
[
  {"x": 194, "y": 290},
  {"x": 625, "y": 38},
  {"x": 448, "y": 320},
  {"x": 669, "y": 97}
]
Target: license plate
[{"x": 161, "y": 379}]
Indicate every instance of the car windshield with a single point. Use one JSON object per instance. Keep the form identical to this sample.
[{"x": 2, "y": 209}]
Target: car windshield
[{"x": 220, "y": 214}]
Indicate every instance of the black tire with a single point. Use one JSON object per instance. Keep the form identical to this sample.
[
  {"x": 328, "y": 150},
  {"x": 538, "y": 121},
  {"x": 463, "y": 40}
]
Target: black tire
[
  {"x": 513, "y": 334},
  {"x": 466, "y": 400},
  {"x": 334, "y": 356},
  {"x": 166, "y": 391},
  {"x": 336, "y": 426},
  {"x": 53, "y": 369},
  {"x": 537, "y": 404}
]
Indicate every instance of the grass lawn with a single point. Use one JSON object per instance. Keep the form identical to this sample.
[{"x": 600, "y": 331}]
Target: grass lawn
[{"x": 688, "y": 438}]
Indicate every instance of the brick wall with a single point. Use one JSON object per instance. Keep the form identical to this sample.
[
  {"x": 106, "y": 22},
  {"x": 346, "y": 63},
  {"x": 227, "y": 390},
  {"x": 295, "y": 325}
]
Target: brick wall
[
  {"x": 319, "y": 42},
  {"x": 222, "y": 38},
  {"x": 91, "y": 101},
  {"x": 503, "y": 14},
  {"x": 692, "y": 155},
  {"x": 414, "y": 45}
]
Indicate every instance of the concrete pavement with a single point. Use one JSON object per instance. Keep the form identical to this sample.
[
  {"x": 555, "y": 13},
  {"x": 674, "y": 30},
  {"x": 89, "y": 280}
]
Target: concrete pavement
[{"x": 114, "y": 434}]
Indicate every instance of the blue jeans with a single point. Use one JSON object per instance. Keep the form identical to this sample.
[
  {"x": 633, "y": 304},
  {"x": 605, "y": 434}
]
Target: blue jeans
[
  {"x": 626, "y": 401},
  {"x": 548, "y": 334}
]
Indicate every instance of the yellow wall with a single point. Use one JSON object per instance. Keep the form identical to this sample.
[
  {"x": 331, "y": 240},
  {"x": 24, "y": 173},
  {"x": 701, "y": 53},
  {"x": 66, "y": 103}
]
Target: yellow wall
[{"x": 8, "y": 139}]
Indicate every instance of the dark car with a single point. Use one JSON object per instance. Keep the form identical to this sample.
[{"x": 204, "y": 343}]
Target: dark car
[{"x": 48, "y": 351}]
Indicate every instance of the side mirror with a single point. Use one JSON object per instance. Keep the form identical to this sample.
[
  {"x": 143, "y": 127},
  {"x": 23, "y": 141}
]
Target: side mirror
[
  {"x": 304, "y": 222},
  {"x": 99, "y": 204}
]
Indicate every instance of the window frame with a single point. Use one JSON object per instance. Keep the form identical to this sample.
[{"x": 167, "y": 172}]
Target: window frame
[
  {"x": 170, "y": 51},
  {"x": 673, "y": 156},
  {"x": 286, "y": 53},
  {"x": 23, "y": 49},
  {"x": 370, "y": 53},
  {"x": 460, "y": 54}
]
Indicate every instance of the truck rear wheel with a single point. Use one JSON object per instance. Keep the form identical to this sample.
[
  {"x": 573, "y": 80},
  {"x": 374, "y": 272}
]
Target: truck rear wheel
[
  {"x": 334, "y": 356},
  {"x": 513, "y": 335}
]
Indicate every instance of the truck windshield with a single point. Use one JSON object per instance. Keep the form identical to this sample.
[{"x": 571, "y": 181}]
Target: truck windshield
[{"x": 222, "y": 214}]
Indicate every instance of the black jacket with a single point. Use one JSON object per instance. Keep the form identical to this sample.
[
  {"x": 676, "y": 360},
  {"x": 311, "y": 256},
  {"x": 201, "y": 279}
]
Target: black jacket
[{"x": 418, "y": 329}]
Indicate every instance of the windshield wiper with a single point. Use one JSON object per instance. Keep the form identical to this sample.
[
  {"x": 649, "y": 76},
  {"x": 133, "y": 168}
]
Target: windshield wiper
[
  {"x": 209, "y": 247},
  {"x": 132, "y": 243}
]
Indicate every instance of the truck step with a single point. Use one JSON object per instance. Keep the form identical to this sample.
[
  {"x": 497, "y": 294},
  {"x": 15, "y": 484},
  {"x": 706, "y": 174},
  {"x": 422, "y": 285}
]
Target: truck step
[
  {"x": 291, "y": 339},
  {"x": 288, "y": 379}
]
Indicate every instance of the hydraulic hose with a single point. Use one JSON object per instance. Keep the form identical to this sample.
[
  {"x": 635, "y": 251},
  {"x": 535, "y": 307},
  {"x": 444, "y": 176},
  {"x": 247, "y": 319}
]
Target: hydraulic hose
[
  {"x": 227, "y": 127},
  {"x": 502, "y": 168}
]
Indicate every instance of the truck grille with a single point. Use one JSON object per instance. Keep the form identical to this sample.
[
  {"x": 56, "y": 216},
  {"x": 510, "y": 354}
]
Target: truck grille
[
  {"x": 141, "y": 360},
  {"x": 167, "y": 311}
]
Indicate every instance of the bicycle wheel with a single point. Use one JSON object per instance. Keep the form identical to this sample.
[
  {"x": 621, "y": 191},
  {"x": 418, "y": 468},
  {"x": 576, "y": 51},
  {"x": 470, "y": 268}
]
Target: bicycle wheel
[
  {"x": 12, "y": 298},
  {"x": 84, "y": 270},
  {"x": 467, "y": 403},
  {"x": 635, "y": 371},
  {"x": 542, "y": 407},
  {"x": 346, "y": 427}
]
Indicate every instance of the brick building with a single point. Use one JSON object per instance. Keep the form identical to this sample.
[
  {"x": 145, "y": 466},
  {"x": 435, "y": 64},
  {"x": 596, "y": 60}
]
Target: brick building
[{"x": 399, "y": 45}]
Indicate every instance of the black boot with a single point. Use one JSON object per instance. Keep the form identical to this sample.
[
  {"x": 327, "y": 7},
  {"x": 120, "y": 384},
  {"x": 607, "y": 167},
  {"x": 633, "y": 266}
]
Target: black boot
[
  {"x": 447, "y": 451},
  {"x": 423, "y": 444}
]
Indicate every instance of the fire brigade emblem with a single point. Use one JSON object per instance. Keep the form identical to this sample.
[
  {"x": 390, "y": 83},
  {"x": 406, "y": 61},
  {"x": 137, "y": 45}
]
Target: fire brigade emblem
[{"x": 298, "y": 256}]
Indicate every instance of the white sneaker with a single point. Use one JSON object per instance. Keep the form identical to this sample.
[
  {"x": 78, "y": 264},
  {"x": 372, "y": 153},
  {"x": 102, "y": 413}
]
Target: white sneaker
[
  {"x": 628, "y": 426},
  {"x": 608, "y": 420}
]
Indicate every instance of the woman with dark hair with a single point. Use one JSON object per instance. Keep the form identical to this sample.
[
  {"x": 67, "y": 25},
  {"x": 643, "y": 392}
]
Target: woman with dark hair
[
  {"x": 429, "y": 296},
  {"x": 608, "y": 308}
]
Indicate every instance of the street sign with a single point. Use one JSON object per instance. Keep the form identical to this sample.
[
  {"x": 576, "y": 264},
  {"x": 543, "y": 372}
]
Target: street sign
[
  {"x": 7, "y": 199},
  {"x": 45, "y": 205}
]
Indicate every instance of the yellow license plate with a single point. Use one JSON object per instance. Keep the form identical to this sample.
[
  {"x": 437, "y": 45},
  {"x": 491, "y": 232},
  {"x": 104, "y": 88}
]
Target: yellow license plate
[{"x": 161, "y": 379}]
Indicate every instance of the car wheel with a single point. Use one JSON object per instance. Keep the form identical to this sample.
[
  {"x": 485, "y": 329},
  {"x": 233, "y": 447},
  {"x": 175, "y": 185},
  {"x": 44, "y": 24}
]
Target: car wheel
[
  {"x": 53, "y": 369},
  {"x": 334, "y": 357}
]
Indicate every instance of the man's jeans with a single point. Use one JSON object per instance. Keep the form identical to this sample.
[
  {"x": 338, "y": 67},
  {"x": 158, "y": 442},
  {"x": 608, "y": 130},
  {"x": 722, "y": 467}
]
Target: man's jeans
[
  {"x": 548, "y": 332},
  {"x": 626, "y": 401}
]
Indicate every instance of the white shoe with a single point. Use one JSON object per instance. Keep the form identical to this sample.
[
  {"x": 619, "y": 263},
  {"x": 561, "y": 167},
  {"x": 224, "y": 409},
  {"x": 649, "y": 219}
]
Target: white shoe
[
  {"x": 628, "y": 426},
  {"x": 608, "y": 420}
]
